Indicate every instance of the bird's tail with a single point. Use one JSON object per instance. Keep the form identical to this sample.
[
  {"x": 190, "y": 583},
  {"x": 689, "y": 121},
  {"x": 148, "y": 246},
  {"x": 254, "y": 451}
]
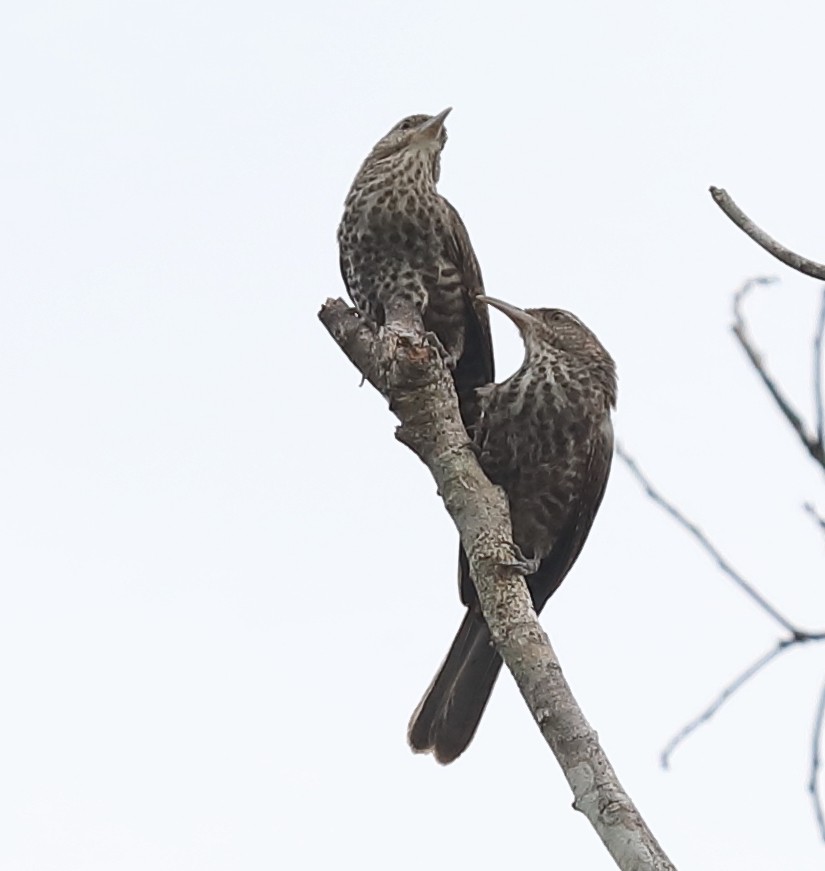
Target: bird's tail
[{"x": 447, "y": 717}]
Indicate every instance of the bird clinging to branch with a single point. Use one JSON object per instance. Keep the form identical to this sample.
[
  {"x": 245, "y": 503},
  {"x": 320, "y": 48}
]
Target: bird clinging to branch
[
  {"x": 406, "y": 257},
  {"x": 545, "y": 436}
]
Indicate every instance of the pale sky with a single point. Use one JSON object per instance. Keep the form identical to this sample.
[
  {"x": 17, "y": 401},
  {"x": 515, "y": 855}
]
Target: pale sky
[{"x": 225, "y": 586}]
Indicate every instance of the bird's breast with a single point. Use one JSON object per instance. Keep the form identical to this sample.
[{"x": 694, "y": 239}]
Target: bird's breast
[{"x": 534, "y": 423}]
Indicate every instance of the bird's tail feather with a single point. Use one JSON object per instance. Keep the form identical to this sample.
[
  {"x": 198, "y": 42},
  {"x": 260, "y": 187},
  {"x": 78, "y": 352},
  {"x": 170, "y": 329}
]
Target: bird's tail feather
[{"x": 447, "y": 717}]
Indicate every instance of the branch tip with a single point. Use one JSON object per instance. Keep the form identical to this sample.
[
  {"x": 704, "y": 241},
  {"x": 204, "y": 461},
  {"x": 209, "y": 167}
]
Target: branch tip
[{"x": 776, "y": 249}]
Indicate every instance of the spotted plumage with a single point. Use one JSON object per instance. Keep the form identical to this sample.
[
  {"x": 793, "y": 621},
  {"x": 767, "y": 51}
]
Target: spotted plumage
[
  {"x": 406, "y": 258},
  {"x": 545, "y": 436}
]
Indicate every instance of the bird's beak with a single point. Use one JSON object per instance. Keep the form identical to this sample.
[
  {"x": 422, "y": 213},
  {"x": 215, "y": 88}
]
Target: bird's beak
[
  {"x": 521, "y": 318},
  {"x": 431, "y": 129}
]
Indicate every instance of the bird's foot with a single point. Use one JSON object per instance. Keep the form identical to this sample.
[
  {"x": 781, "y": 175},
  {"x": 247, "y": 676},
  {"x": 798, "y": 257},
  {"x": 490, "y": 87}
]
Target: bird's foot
[
  {"x": 524, "y": 565},
  {"x": 472, "y": 445},
  {"x": 450, "y": 360}
]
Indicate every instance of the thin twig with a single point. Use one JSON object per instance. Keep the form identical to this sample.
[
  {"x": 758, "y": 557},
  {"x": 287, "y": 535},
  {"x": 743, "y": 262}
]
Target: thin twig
[
  {"x": 726, "y": 694},
  {"x": 817, "y": 363},
  {"x": 788, "y": 257},
  {"x": 705, "y": 543},
  {"x": 818, "y": 518},
  {"x": 745, "y": 289},
  {"x": 813, "y": 783},
  {"x": 812, "y": 445}
]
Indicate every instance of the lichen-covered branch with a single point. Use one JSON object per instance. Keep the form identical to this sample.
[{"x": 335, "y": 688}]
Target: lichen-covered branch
[
  {"x": 409, "y": 373},
  {"x": 788, "y": 257}
]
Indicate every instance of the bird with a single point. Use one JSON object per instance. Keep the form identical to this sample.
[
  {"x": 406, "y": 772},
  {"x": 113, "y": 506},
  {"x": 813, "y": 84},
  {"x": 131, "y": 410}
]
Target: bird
[
  {"x": 406, "y": 257},
  {"x": 545, "y": 436}
]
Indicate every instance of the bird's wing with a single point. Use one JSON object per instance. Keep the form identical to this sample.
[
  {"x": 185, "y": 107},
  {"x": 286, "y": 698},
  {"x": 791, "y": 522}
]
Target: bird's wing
[
  {"x": 476, "y": 364},
  {"x": 554, "y": 567}
]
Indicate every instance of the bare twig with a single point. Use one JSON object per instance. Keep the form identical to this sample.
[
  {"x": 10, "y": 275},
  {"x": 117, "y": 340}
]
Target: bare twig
[
  {"x": 751, "y": 671},
  {"x": 797, "y": 636},
  {"x": 411, "y": 375},
  {"x": 815, "y": 446},
  {"x": 817, "y": 365},
  {"x": 788, "y": 257},
  {"x": 704, "y": 542},
  {"x": 813, "y": 783},
  {"x": 812, "y": 444},
  {"x": 818, "y": 518},
  {"x": 745, "y": 289}
]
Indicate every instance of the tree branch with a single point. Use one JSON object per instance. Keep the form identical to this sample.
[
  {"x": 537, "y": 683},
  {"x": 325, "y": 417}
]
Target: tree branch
[
  {"x": 704, "y": 542},
  {"x": 788, "y": 257},
  {"x": 818, "y": 518},
  {"x": 813, "y": 783},
  {"x": 409, "y": 373},
  {"x": 797, "y": 636},
  {"x": 730, "y": 690},
  {"x": 817, "y": 367},
  {"x": 811, "y": 444}
]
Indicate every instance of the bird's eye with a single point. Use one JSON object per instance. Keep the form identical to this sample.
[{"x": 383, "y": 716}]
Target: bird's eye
[
  {"x": 557, "y": 316},
  {"x": 406, "y": 124}
]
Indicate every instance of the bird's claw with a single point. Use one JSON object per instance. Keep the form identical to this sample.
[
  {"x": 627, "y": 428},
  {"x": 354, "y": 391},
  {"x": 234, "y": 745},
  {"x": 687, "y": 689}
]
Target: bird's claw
[
  {"x": 450, "y": 360},
  {"x": 524, "y": 565},
  {"x": 472, "y": 446}
]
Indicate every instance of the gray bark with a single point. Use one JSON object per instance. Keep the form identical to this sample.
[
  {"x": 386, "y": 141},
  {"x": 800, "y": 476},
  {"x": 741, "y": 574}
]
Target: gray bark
[
  {"x": 410, "y": 374},
  {"x": 801, "y": 264}
]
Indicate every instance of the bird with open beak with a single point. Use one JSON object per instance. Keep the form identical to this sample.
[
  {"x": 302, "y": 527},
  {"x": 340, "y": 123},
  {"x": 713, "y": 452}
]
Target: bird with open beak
[
  {"x": 545, "y": 436},
  {"x": 406, "y": 258}
]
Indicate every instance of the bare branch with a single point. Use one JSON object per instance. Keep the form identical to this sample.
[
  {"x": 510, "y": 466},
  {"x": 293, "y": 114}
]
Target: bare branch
[
  {"x": 745, "y": 289},
  {"x": 817, "y": 366},
  {"x": 788, "y": 257},
  {"x": 813, "y": 783},
  {"x": 411, "y": 375},
  {"x": 704, "y": 542},
  {"x": 818, "y": 518},
  {"x": 812, "y": 445},
  {"x": 797, "y": 636},
  {"x": 726, "y": 694}
]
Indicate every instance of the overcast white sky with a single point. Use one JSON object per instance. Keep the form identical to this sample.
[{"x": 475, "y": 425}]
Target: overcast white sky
[{"x": 224, "y": 585}]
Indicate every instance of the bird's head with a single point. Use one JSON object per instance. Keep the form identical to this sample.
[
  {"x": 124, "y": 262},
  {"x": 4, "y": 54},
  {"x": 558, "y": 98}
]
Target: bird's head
[
  {"x": 422, "y": 134},
  {"x": 560, "y": 335}
]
